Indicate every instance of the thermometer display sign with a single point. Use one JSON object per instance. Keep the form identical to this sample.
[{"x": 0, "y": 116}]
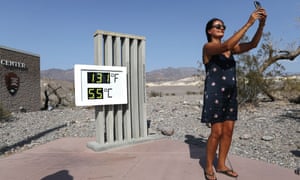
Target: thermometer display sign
[{"x": 100, "y": 85}]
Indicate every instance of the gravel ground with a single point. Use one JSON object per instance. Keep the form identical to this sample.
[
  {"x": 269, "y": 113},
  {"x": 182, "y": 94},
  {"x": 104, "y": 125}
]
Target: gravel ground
[{"x": 270, "y": 132}]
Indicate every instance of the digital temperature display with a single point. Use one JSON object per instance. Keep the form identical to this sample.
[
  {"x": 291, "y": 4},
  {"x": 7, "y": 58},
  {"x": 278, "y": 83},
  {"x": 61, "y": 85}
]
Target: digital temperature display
[
  {"x": 100, "y": 85},
  {"x": 95, "y": 93},
  {"x": 98, "y": 77}
]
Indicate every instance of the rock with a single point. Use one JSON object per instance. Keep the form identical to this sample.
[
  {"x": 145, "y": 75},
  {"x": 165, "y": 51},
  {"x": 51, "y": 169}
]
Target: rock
[
  {"x": 22, "y": 109},
  {"x": 185, "y": 103},
  {"x": 50, "y": 108},
  {"x": 201, "y": 102},
  {"x": 167, "y": 131},
  {"x": 92, "y": 120},
  {"x": 267, "y": 138},
  {"x": 208, "y": 124},
  {"x": 297, "y": 143},
  {"x": 197, "y": 108},
  {"x": 246, "y": 136}
]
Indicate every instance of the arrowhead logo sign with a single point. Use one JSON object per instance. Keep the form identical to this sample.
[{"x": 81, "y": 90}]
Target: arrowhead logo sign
[{"x": 12, "y": 83}]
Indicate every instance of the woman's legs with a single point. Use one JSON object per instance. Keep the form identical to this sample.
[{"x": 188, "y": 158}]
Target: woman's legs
[
  {"x": 212, "y": 145},
  {"x": 225, "y": 142},
  {"x": 221, "y": 134}
]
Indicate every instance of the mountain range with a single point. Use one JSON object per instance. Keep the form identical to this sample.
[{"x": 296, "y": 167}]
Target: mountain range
[{"x": 165, "y": 74}]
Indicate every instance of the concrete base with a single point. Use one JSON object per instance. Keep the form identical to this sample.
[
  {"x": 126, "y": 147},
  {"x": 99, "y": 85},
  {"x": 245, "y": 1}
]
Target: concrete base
[{"x": 101, "y": 147}]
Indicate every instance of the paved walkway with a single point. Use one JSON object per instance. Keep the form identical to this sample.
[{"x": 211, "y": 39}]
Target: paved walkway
[{"x": 164, "y": 159}]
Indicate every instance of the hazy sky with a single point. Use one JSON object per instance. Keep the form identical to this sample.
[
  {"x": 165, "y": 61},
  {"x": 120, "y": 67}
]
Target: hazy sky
[{"x": 61, "y": 31}]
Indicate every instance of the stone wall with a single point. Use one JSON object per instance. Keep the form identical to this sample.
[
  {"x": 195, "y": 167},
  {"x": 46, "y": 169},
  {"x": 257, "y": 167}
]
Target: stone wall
[{"x": 19, "y": 80}]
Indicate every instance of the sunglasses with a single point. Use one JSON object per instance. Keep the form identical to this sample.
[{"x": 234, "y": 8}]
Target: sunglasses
[{"x": 219, "y": 26}]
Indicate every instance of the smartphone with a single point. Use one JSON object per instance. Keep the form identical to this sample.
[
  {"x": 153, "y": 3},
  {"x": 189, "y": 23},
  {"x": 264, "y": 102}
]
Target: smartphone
[{"x": 257, "y": 4}]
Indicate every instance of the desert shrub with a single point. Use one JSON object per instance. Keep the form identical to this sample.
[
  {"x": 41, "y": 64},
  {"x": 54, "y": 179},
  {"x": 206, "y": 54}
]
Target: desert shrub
[
  {"x": 172, "y": 94},
  {"x": 295, "y": 100},
  {"x": 252, "y": 79},
  {"x": 291, "y": 84},
  {"x": 4, "y": 114},
  {"x": 249, "y": 86},
  {"x": 291, "y": 89},
  {"x": 155, "y": 94},
  {"x": 191, "y": 93}
]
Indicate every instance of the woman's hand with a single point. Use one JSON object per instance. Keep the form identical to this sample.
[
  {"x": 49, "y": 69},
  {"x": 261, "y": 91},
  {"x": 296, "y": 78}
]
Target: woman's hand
[
  {"x": 253, "y": 17},
  {"x": 259, "y": 14},
  {"x": 263, "y": 16}
]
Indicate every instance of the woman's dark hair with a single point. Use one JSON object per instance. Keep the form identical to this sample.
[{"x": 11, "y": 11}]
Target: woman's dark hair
[{"x": 209, "y": 26}]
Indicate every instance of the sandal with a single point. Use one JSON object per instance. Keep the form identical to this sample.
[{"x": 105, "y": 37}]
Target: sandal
[
  {"x": 210, "y": 176},
  {"x": 228, "y": 172}
]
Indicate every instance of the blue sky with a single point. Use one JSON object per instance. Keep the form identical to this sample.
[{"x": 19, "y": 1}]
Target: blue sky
[{"x": 61, "y": 31}]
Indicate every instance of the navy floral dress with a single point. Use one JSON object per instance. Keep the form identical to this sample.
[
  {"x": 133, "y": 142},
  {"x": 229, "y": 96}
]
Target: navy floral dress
[{"x": 220, "y": 90}]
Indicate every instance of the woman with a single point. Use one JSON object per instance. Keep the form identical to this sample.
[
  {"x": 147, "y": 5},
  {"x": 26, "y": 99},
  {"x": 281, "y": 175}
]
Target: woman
[{"x": 220, "y": 91}]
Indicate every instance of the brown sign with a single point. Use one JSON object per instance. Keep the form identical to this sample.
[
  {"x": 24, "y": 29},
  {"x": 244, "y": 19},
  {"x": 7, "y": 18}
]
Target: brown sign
[{"x": 12, "y": 83}]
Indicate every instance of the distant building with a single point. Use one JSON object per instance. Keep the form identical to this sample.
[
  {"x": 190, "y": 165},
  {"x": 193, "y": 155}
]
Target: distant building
[{"x": 19, "y": 80}]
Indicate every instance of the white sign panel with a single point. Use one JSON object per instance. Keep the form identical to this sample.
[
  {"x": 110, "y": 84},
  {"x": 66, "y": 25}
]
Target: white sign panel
[{"x": 100, "y": 85}]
